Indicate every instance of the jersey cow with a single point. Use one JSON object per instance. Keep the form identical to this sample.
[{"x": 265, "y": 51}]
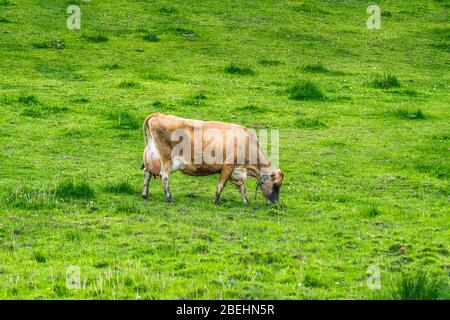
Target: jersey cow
[{"x": 200, "y": 148}]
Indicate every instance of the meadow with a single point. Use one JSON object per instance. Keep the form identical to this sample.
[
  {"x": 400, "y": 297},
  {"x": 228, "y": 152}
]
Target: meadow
[{"x": 363, "y": 119}]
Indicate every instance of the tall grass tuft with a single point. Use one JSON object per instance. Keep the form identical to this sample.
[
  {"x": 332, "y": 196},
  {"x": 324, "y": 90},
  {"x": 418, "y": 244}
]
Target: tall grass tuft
[
  {"x": 384, "y": 81},
  {"x": 124, "y": 120},
  {"x": 305, "y": 90},
  {"x": 129, "y": 85},
  {"x": 127, "y": 207},
  {"x": 320, "y": 68},
  {"x": 309, "y": 123},
  {"x": 419, "y": 285},
  {"x": 30, "y": 198},
  {"x": 31, "y": 99},
  {"x": 406, "y": 114},
  {"x": 123, "y": 187},
  {"x": 233, "y": 68},
  {"x": 69, "y": 189},
  {"x": 96, "y": 38},
  {"x": 151, "y": 37}
]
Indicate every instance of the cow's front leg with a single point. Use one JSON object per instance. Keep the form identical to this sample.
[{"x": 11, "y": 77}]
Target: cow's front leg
[
  {"x": 146, "y": 182},
  {"x": 224, "y": 176},
  {"x": 165, "y": 173},
  {"x": 240, "y": 185}
]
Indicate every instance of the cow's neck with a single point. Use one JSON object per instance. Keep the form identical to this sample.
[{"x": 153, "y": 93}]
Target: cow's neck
[{"x": 263, "y": 168}]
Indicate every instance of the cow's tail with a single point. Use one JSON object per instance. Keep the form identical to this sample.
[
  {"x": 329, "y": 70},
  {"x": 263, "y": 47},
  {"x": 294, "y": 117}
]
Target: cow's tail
[{"x": 146, "y": 127}]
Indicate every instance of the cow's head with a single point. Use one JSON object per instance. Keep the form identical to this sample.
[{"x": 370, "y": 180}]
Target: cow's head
[{"x": 270, "y": 185}]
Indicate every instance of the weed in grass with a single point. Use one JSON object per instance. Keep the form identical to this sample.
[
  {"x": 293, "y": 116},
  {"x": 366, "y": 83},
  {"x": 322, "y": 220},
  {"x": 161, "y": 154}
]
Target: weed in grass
[
  {"x": 200, "y": 95},
  {"x": 315, "y": 68},
  {"x": 418, "y": 285},
  {"x": 370, "y": 211},
  {"x": 39, "y": 257},
  {"x": 110, "y": 66},
  {"x": 233, "y": 68},
  {"x": 158, "y": 104},
  {"x": 167, "y": 10},
  {"x": 309, "y": 8},
  {"x": 305, "y": 90},
  {"x": 197, "y": 99},
  {"x": 309, "y": 123},
  {"x": 32, "y": 112},
  {"x": 69, "y": 189},
  {"x": 129, "y": 85},
  {"x": 151, "y": 37},
  {"x": 124, "y": 120},
  {"x": 55, "y": 44},
  {"x": 441, "y": 137},
  {"x": 407, "y": 114},
  {"x": 80, "y": 100},
  {"x": 31, "y": 99},
  {"x": 406, "y": 92},
  {"x": 269, "y": 62},
  {"x": 73, "y": 235},
  {"x": 123, "y": 187},
  {"x": 320, "y": 68},
  {"x": 99, "y": 38},
  {"x": 251, "y": 109},
  {"x": 384, "y": 81},
  {"x": 41, "y": 45},
  {"x": 37, "y": 110},
  {"x": 127, "y": 207},
  {"x": 439, "y": 168},
  {"x": 30, "y": 198},
  {"x": 182, "y": 31},
  {"x": 312, "y": 281},
  {"x": 155, "y": 75},
  {"x": 4, "y": 20}
]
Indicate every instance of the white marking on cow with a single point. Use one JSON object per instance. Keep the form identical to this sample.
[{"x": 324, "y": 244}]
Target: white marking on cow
[
  {"x": 178, "y": 163},
  {"x": 239, "y": 174}
]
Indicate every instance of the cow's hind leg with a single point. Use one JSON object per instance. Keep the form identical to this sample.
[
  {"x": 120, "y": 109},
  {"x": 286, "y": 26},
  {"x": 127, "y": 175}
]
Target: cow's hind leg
[
  {"x": 165, "y": 173},
  {"x": 147, "y": 176},
  {"x": 224, "y": 176}
]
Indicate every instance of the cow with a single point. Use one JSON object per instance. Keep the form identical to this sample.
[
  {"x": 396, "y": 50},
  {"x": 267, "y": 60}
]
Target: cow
[{"x": 200, "y": 148}]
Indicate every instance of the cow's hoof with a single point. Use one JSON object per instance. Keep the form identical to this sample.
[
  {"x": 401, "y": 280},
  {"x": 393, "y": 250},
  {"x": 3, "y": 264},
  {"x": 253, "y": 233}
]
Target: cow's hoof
[
  {"x": 145, "y": 197},
  {"x": 216, "y": 201},
  {"x": 169, "y": 200}
]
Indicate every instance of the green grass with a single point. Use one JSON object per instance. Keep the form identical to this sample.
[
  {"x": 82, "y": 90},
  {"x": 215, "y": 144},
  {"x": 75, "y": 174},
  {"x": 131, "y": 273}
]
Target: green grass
[
  {"x": 233, "y": 68},
  {"x": 365, "y": 157},
  {"x": 308, "y": 122},
  {"x": 97, "y": 38},
  {"x": 320, "y": 68},
  {"x": 121, "y": 187},
  {"x": 385, "y": 81},
  {"x": 419, "y": 285},
  {"x": 407, "y": 114},
  {"x": 69, "y": 190},
  {"x": 305, "y": 90},
  {"x": 151, "y": 37}
]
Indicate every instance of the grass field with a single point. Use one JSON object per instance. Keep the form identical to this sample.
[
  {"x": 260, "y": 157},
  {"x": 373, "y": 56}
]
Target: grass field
[{"x": 364, "y": 126}]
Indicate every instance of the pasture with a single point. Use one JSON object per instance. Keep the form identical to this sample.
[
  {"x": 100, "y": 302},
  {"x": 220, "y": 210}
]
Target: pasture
[{"x": 363, "y": 119}]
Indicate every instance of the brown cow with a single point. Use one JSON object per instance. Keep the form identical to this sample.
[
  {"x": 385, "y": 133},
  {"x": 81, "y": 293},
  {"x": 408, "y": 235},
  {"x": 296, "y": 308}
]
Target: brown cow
[{"x": 201, "y": 148}]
